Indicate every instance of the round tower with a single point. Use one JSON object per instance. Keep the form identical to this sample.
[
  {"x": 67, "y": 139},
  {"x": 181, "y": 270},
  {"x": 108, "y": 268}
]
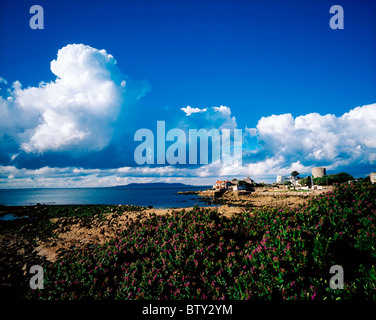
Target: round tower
[{"x": 318, "y": 172}]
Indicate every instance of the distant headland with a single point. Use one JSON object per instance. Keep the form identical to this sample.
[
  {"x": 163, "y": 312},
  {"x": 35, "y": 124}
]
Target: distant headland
[{"x": 152, "y": 185}]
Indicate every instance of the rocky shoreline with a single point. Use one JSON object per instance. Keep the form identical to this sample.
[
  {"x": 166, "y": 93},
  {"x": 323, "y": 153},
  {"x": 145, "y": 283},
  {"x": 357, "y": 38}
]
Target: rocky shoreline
[
  {"x": 35, "y": 237},
  {"x": 41, "y": 234},
  {"x": 260, "y": 197}
]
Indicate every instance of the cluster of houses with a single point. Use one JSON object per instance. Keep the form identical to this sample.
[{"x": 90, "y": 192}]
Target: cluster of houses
[
  {"x": 235, "y": 184},
  {"x": 294, "y": 181},
  {"x": 316, "y": 172},
  {"x": 247, "y": 184}
]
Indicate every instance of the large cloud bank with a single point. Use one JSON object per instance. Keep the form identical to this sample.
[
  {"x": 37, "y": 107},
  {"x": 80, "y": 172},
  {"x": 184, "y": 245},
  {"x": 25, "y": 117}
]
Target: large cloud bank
[
  {"x": 88, "y": 108},
  {"x": 76, "y": 111},
  {"x": 321, "y": 139}
]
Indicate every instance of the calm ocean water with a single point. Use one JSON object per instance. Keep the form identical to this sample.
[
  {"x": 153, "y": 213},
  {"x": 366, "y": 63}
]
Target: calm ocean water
[{"x": 156, "y": 197}]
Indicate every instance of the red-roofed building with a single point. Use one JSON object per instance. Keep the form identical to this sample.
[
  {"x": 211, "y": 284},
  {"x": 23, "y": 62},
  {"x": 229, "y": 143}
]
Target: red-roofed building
[{"x": 222, "y": 184}]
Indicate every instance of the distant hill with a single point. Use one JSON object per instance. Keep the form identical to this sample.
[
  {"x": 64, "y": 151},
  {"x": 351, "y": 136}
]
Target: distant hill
[{"x": 153, "y": 185}]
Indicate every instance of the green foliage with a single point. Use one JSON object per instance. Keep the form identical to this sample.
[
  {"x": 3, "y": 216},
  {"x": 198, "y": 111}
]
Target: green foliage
[
  {"x": 305, "y": 181},
  {"x": 333, "y": 178},
  {"x": 199, "y": 254},
  {"x": 294, "y": 173},
  {"x": 365, "y": 180}
]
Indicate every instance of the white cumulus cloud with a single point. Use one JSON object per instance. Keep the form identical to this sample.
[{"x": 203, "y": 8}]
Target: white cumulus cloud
[
  {"x": 73, "y": 112},
  {"x": 223, "y": 109},
  {"x": 313, "y": 138},
  {"x": 214, "y": 117},
  {"x": 189, "y": 110}
]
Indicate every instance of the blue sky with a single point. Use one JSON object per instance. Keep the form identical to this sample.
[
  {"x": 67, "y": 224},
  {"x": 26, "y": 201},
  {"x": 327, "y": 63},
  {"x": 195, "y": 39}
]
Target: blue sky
[{"x": 276, "y": 65}]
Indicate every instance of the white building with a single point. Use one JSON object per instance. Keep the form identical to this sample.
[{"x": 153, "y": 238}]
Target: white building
[
  {"x": 373, "y": 177},
  {"x": 222, "y": 184},
  {"x": 282, "y": 179},
  {"x": 237, "y": 187}
]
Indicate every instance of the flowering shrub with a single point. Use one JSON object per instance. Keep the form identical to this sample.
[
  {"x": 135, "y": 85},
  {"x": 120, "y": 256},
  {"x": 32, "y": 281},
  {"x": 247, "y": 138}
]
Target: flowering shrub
[{"x": 198, "y": 254}]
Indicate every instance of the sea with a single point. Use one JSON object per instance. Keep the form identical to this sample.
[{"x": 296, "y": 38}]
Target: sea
[{"x": 166, "y": 197}]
